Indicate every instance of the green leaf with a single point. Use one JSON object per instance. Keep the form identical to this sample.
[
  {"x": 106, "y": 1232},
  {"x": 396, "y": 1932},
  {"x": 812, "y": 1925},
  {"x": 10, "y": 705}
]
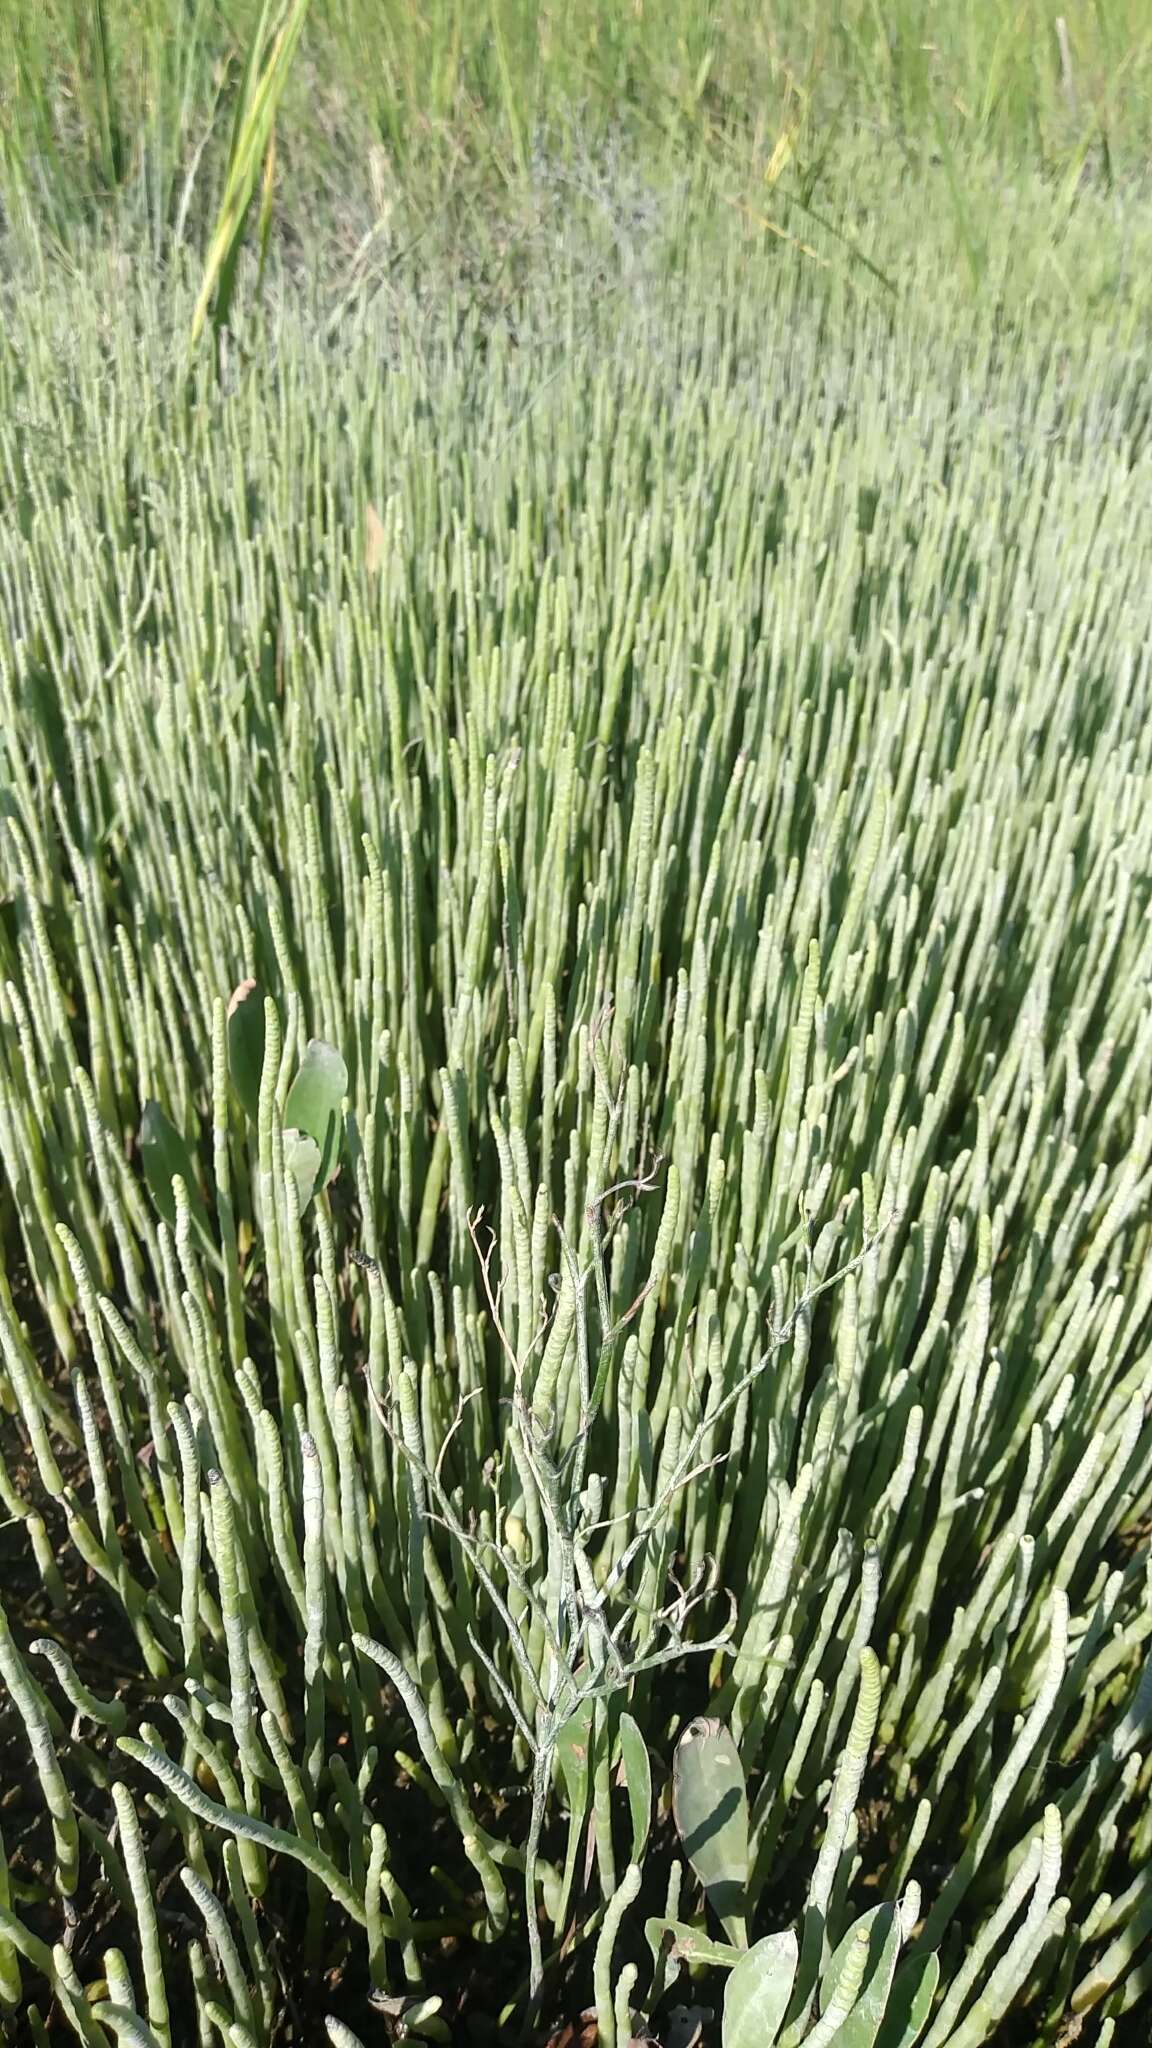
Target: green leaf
[
  {"x": 302, "y": 1161},
  {"x": 910, "y": 2003},
  {"x": 860, "y": 2028},
  {"x": 690, "y": 1944},
  {"x": 265, "y": 74},
  {"x": 315, "y": 1102},
  {"x": 638, "y": 1777},
  {"x": 573, "y": 1750},
  {"x": 165, "y": 1154},
  {"x": 757, "y": 1993},
  {"x": 710, "y": 1804},
  {"x": 246, "y": 1045}
]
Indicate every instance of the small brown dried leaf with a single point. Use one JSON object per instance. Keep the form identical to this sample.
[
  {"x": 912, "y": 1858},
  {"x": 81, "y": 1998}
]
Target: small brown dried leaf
[
  {"x": 238, "y": 994},
  {"x": 579, "y": 2033},
  {"x": 375, "y": 540}
]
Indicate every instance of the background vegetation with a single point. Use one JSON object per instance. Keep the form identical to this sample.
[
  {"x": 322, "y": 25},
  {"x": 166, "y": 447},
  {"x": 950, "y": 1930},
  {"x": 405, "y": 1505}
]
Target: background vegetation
[{"x": 126, "y": 104}]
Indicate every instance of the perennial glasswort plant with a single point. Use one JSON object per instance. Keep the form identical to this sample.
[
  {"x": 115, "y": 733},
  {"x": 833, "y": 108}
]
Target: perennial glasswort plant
[{"x": 574, "y": 1117}]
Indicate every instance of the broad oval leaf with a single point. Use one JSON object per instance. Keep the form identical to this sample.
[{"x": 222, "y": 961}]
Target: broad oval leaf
[
  {"x": 246, "y": 1045},
  {"x": 690, "y": 1944},
  {"x": 638, "y": 1778},
  {"x": 302, "y": 1161},
  {"x": 315, "y": 1102},
  {"x": 165, "y": 1154},
  {"x": 573, "y": 1753},
  {"x": 757, "y": 1993},
  {"x": 910, "y": 2002},
  {"x": 710, "y": 1804},
  {"x": 860, "y": 2028}
]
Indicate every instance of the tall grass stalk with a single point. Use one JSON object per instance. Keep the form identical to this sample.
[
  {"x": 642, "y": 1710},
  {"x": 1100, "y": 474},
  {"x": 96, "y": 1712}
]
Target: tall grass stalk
[{"x": 265, "y": 74}]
